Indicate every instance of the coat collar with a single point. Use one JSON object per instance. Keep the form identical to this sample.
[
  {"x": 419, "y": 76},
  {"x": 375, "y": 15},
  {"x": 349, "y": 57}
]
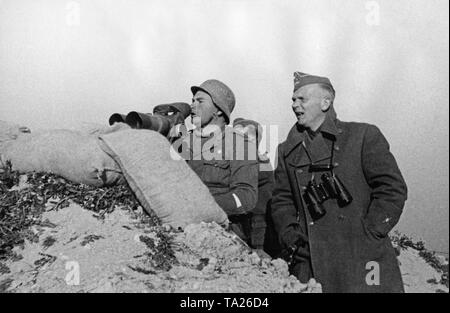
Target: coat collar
[
  {"x": 318, "y": 149},
  {"x": 329, "y": 127}
]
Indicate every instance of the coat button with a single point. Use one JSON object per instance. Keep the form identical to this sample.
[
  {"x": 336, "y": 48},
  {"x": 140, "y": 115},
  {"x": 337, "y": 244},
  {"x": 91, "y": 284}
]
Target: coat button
[
  {"x": 340, "y": 131},
  {"x": 336, "y": 148},
  {"x": 336, "y": 164},
  {"x": 311, "y": 223}
]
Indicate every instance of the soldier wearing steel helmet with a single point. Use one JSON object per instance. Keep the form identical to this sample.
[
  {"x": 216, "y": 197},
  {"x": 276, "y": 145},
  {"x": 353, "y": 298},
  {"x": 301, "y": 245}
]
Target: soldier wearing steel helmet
[{"x": 225, "y": 160}]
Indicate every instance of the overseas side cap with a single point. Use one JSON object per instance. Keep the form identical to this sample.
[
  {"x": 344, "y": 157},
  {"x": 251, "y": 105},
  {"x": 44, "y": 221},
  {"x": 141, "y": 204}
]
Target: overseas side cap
[{"x": 303, "y": 79}]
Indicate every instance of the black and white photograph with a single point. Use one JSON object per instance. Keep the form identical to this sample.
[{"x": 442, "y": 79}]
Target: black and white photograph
[{"x": 226, "y": 152}]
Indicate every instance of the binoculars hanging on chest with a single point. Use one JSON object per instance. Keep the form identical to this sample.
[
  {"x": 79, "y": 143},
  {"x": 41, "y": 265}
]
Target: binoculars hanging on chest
[
  {"x": 166, "y": 118},
  {"x": 330, "y": 187}
]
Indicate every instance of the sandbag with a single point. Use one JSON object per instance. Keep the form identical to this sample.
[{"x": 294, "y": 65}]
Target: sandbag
[
  {"x": 99, "y": 129},
  {"x": 163, "y": 185},
  {"x": 70, "y": 154}
]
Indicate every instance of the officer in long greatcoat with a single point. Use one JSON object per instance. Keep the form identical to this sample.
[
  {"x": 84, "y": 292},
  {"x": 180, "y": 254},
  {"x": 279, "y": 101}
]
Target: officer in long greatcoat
[{"x": 338, "y": 236}]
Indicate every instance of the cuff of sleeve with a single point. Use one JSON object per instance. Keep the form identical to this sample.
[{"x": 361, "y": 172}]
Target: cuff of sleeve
[
  {"x": 228, "y": 204},
  {"x": 382, "y": 219},
  {"x": 237, "y": 201}
]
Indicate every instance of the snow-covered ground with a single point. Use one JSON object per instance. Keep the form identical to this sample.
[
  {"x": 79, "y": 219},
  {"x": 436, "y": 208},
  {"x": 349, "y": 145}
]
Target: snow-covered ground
[{"x": 77, "y": 252}]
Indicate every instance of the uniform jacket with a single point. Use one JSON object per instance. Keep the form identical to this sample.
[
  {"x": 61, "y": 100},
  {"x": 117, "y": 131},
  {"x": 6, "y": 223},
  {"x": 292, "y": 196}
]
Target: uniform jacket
[
  {"x": 226, "y": 167},
  {"x": 346, "y": 244}
]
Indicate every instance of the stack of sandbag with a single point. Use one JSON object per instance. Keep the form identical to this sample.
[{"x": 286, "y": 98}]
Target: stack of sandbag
[
  {"x": 99, "y": 129},
  {"x": 73, "y": 155},
  {"x": 162, "y": 184},
  {"x": 112, "y": 155}
]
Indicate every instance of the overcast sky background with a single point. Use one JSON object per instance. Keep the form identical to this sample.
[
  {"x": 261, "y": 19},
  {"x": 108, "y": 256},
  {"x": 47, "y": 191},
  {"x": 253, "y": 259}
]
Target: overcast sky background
[{"x": 63, "y": 63}]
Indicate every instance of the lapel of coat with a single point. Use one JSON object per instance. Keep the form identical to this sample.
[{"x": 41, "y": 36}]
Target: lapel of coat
[
  {"x": 294, "y": 142},
  {"x": 318, "y": 149}
]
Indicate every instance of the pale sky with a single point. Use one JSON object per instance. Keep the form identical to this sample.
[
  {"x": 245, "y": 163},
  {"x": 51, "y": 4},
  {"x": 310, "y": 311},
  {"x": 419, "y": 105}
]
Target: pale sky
[{"x": 63, "y": 63}]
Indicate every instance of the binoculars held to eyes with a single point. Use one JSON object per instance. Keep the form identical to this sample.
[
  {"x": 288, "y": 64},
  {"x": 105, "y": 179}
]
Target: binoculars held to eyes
[
  {"x": 330, "y": 187},
  {"x": 163, "y": 119}
]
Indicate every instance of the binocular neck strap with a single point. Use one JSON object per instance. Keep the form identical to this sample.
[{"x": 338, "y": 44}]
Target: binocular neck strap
[
  {"x": 332, "y": 156},
  {"x": 330, "y": 164}
]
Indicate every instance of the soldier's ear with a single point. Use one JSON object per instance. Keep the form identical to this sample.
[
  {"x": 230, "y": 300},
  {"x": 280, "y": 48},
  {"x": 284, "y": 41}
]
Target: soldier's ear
[{"x": 325, "y": 104}]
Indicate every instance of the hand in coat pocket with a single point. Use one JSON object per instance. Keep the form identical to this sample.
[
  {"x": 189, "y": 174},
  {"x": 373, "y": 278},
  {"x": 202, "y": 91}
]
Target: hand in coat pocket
[
  {"x": 374, "y": 231},
  {"x": 380, "y": 221}
]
